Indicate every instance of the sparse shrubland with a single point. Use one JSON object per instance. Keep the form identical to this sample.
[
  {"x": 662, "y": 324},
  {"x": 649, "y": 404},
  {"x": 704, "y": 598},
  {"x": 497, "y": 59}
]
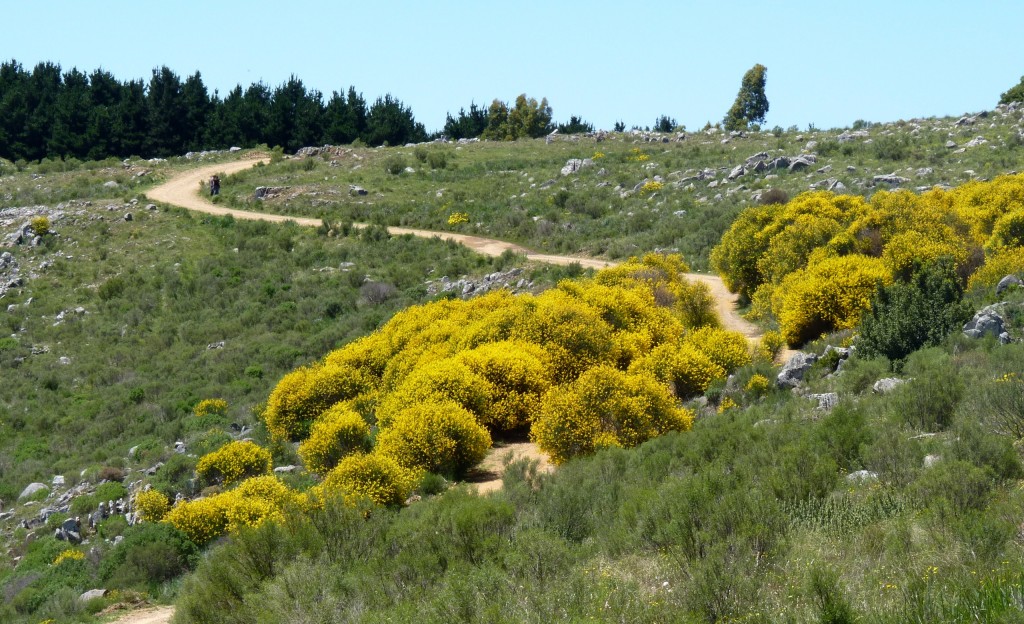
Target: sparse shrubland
[{"x": 747, "y": 503}]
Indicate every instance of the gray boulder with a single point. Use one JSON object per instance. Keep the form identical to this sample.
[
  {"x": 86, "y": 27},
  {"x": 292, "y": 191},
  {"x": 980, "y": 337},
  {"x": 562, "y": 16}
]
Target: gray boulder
[
  {"x": 890, "y": 178},
  {"x": 886, "y": 385},
  {"x": 1007, "y": 282},
  {"x": 861, "y": 476},
  {"x": 986, "y": 322},
  {"x": 91, "y": 594},
  {"x": 826, "y": 401},
  {"x": 736, "y": 172},
  {"x": 793, "y": 372},
  {"x": 31, "y": 489}
]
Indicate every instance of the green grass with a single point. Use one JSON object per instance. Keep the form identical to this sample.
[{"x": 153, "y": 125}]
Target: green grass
[{"x": 746, "y": 518}]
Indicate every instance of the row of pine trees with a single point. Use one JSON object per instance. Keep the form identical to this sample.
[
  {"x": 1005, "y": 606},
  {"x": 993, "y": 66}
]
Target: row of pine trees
[{"x": 50, "y": 113}]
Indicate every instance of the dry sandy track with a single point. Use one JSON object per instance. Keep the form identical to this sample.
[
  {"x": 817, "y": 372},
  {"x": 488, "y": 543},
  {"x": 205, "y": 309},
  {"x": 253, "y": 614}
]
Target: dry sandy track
[{"x": 182, "y": 190}]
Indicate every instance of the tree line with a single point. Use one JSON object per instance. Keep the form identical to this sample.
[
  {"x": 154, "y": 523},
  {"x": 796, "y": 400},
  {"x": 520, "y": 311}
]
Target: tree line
[{"x": 50, "y": 113}]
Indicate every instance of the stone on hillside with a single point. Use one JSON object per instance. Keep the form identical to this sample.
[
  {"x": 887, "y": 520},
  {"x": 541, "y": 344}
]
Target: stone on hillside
[
  {"x": 802, "y": 162},
  {"x": 756, "y": 158},
  {"x": 356, "y": 190},
  {"x": 890, "y": 178},
  {"x": 793, "y": 372},
  {"x": 931, "y": 460},
  {"x": 91, "y": 594},
  {"x": 150, "y": 206},
  {"x": 951, "y": 144},
  {"x": 976, "y": 141},
  {"x": 110, "y": 184},
  {"x": 58, "y": 481},
  {"x": 546, "y": 184},
  {"x": 736, "y": 172},
  {"x": 826, "y": 401},
  {"x": 780, "y": 163},
  {"x": 31, "y": 489},
  {"x": 1007, "y": 282},
  {"x": 128, "y": 216},
  {"x": 861, "y": 476},
  {"x": 575, "y": 164},
  {"x": 986, "y": 322},
  {"x": 285, "y": 469},
  {"x": 886, "y": 385}
]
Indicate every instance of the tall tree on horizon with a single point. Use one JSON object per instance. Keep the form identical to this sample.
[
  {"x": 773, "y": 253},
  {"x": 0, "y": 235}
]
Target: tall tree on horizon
[{"x": 751, "y": 103}]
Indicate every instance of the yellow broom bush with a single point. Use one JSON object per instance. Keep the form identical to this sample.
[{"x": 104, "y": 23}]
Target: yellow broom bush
[
  {"x": 439, "y": 437},
  {"x": 234, "y": 461},
  {"x": 728, "y": 349},
  {"x": 307, "y": 392},
  {"x": 1005, "y": 262},
  {"x": 374, "y": 476},
  {"x": 605, "y": 407},
  {"x": 336, "y": 433},
  {"x": 151, "y": 505}
]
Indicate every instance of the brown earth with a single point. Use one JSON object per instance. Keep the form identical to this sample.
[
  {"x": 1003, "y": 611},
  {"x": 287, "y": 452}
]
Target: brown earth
[{"x": 152, "y": 615}]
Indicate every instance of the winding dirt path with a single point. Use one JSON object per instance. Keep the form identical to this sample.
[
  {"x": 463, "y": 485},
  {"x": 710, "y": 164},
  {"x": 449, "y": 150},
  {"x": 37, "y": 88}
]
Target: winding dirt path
[{"x": 182, "y": 191}]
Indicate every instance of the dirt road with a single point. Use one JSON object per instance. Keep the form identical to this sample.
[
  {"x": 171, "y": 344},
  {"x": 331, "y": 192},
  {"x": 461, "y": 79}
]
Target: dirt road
[
  {"x": 183, "y": 190},
  {"x": 153, "y": 615}
]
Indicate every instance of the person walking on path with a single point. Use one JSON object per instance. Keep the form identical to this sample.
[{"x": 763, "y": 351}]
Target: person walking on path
[{"x": 215, "y": 185}]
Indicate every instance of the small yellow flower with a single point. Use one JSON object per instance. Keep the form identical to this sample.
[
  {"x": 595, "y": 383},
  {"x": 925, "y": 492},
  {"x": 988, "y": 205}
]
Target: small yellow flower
[{"x": 456, "y": 218}]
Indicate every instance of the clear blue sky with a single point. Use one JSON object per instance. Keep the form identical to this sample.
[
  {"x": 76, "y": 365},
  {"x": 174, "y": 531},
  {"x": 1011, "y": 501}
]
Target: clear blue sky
[{"x": 829, "y": 63}]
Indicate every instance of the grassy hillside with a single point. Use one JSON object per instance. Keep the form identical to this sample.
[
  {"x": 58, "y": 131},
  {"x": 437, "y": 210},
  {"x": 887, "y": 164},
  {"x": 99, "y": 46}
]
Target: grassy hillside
[
  {"x": 120, "y": 327},
  {"x": 516, "y": 191}
]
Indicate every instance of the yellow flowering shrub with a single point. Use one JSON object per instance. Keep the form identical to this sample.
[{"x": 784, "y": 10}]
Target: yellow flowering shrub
[
  {"x": 770, "y": 345},
  {"x": 268, "y": 488},
  {"x": 687, "y": 370},
  {"x": 726, "y": 404},
  {"x": 243, "y": 512},
  {"x": 910, "y": 247},
  {"x": 151, "y": 505},
  {"x": 456, "y": 218},
  {"x": 1008, "y": 231},
  {"x": 377, "y": 477},
  {"x": 651, "y": 186},
  {"x": 446, "y": 380},
  {"x": 981, "y": 204},
  {"x": 307, "y": 392},
  {"x": 997, "y": 266},
  {"x": 69, "y": 555},
  {"x": 207, "y": 407},
  {"x": 605, "y": 407},
  {"x": 758, "y": 385},
  {"x": 637, "y": 155},
  {"x": 827, "y": 296},
  {"x": 738, "y": 253},
  {"x": 517, "y": 376},
  {"x": 336, "y": 433},
  {"x": 40, "y": 225},
  {"x": 234, "y": 461},
  {"x": 439, "y": 437},
  {"x": 202, "y": 520},
  {"x": 728, "y": 349}
]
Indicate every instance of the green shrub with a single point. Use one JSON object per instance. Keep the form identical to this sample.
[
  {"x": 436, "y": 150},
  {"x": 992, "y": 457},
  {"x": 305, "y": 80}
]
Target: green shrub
[
  {"x": 111, "y": 490},
  {"x": 930, "y": 400},
  {"x": 394, "y": 165},
  {"x": 149, "y": 554},
  {"x": 921, "y": 312}
]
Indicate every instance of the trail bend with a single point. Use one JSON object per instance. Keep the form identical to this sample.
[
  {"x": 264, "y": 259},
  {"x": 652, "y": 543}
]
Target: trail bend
[{"x": 182, "y": 191}]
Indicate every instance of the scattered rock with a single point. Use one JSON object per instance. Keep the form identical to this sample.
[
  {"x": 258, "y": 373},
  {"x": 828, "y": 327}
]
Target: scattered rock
[
  {"x": 575, "y": 164},
  {"x": 931, "y": 460},
  {"x": 285, "y": 469},
  {"x": 1007, "y": 282},
  {"x": 886, "y": 385},
  {"x": 736, "y": 172},
  {"x": 31, "y": 489},
  {"x": 793, "y": 372},
  {"x": 91, "y": 594},
  {"x": 268, "y": 192},
  {"x": 890, "y": 178},
  {"x": 216, "y": 345},
  {"x": 986, "y": 322},
  {"x": 861, "y": 476},
  {"x": 58, "y": 481},
  {"x": 826, "y": 401}
]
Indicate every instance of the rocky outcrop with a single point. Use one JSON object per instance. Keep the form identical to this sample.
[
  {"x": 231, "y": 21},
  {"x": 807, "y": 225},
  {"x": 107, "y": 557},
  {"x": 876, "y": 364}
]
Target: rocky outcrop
[{"x": 793, "y": 372}]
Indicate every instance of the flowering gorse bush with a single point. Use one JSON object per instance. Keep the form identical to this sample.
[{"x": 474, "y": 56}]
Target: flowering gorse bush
[
  {"x": 768, "y": 245},
  {"x": 69, "y": 555},
  {"x": 374, "y": 476},
  {"x": 234, "y": 461},
  {"x": 207, "y": 407},
  {"x": 151, "y": 505},
  {"x": 456, "y": 218},
  {"x": 439, "y": 437},
  {"x": 651, "y": 186},
  {"x": 637, "y": 155},
  {"x": 336, "y": 433}
]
